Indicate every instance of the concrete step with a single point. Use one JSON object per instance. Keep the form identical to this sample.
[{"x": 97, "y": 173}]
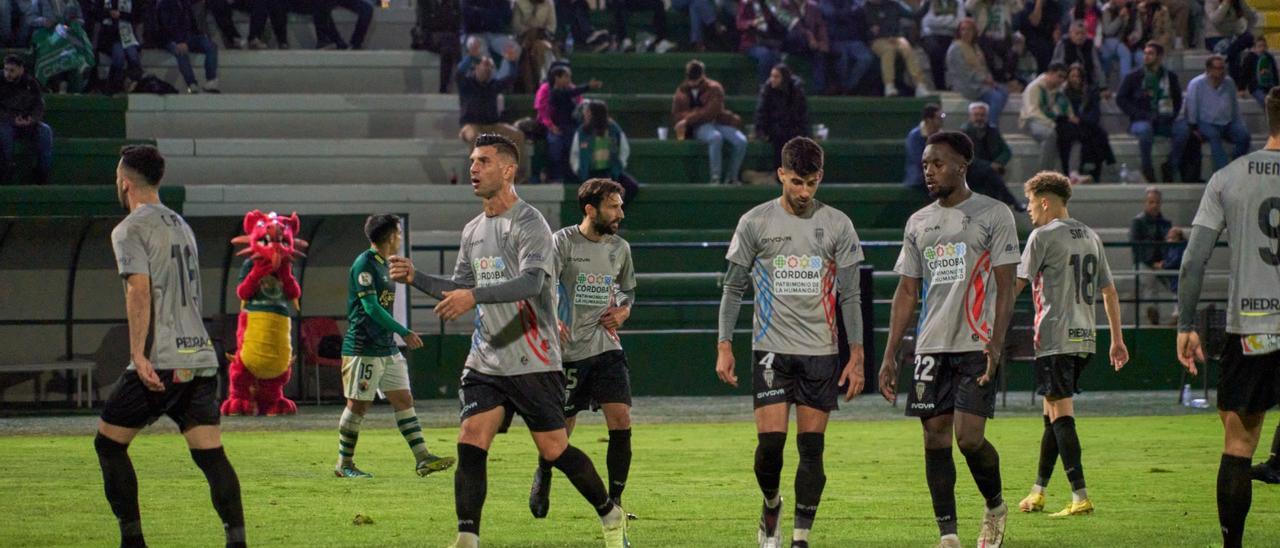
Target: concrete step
[
  {"x": 195, "y": 162},
  {"x": 1026, "y": 157},
  {"x": 296, "y": 116},
  {"x": 310, "y": 71}
]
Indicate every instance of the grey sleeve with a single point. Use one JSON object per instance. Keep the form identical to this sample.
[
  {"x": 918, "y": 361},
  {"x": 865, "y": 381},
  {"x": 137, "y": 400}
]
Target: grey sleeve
[
  {"x": 628, "y": 298},
  {"x": 1191, "y": 278},
  {"x": 851, "y": 302},
  {"x": 527, "y": 286},
  {"x": 435, "y": 285},
  {"x": 736, "y": 279}
]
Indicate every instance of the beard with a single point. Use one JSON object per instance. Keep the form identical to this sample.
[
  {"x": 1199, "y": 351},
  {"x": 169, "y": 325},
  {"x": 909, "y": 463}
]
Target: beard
[{"x": 604, "y": 228}]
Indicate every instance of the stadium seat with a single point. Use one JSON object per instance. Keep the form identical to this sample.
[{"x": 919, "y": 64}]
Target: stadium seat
[{"x": 317, "y": 338}]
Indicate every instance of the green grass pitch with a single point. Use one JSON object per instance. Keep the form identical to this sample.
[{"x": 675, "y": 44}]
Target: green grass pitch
[{"x": 1152, "y": 479}]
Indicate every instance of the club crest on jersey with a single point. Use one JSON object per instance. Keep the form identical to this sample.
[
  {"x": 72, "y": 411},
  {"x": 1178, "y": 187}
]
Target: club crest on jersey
[
  {"x": 797, "y": 275},
  {"x": 946, "y": 262},
  {"x": 817, "y": 235},
  {"x": 365, "y": 279}
]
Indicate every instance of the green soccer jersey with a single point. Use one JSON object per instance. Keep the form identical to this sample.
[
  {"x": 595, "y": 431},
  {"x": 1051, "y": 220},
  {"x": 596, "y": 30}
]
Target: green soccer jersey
[
  {"x": 270, "y": 294},
  {"x": 369, "y": 276}
]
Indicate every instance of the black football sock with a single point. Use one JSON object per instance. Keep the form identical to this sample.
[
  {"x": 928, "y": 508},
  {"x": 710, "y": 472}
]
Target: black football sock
[
  {"x": 940, "y": 473},
  {"x": 1048, "y": 454},
  {"x": 1069, "y": 445},
  {"x": 577, "y": 466},
  {"x": 1274, "y": 461},
  {"x": 121, "y": 485},
  {"x": 769, "y": 446},
  {"x": 618, "y": 461},
  {"x": 984, "y": 464},
  {"x": 224, "y": 488},
  {"x": 810, "y": 478},
  {"x": 544, "y": 464},
  {"x": 470, "y": 484},
  {"x": 1235, "y": 495}
]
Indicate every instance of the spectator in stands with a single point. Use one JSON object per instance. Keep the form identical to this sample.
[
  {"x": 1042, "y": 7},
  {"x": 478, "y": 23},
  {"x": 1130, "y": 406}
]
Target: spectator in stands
[
  {"x": 1229, "y": 31},
  {"x": 222, "y": 17},
  {"x": 622, "y": 10},
  {"x": 38, "y": 14},
  {"x": 490, "y": 21},
  {"x": 1088, "y": 13},
  {"x": 760, "y": 35},
  {"x": 988, "y": 143},
  {"x": 1039, "y": 25},
  {"x": 994, "y": 21},
  {"x": 1118, "y": 40},
  {"x": 931, "y": 118},
  {"x": 1077, "y": 48},
  {"x": 534, "y": 24},
  {"x": 1095, "y": 145},
  {"x": 849, "y": 58},
  {"x": 8, "y": 16},
  {"x": 808, "y": 36},
  {"x": 118, "y": 40},
  {"x": 437, "y": 31},
  {"x": 1259, "y": 71},
  {"x": 1211, "y": 112},
  {"x": 182, "y": 36},
  {"x": 782, "y": 111},
  {"x": 1154, "y": 25},
  {"x": 564, "y": 98},
  {"x": 702, "y": 21},
  {"x": 600, "y": 149},
  {"x": 1151, "y": 97},
  {"x": 884, "y": 19},
  {"x": 697, "y": 109},
  {"x": 1025, "y": 67},
  {"x": 968, "y": 73},
  {"x": 364, "y": 17},
  {"x": 1149, "y": 230},
  {"x": 479, "y": 89},
  {"x": 278, "y": 12},
  {"x": 576, "y": 14},
  {"x": 1047, "y": 114},
  {"x": 939, "y": 29},
  {"x": 23, "y": 110}
]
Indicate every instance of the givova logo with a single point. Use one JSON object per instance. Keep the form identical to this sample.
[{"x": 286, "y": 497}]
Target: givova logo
[
  {"x": 797, "y": 275},
  {"x": 946, "y": 262}
]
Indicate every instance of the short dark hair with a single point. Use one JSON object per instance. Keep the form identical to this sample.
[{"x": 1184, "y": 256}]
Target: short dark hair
[
  {"x": 802, "y": 155},
  {"x": 145, "y": 160},
  {"x": 1057, "y": 66},
  {"x": 15, "y": 59},
  {"x": 1049, "y": 182},
  {"x": 379, "y": 227},
  {"x": 930, "y": 110},
  {"x": 556, "y": 72},
  {"x": 1208, "y": 61},
  {"x": 1273, "y": 110},
  {"x": 504, "y": 145},
  {"x": 1159, "y": 48},
  {"x": 594, "y": 191},
  {"x": 959, "y": 142},
  {"x": 694, "y": 70}
]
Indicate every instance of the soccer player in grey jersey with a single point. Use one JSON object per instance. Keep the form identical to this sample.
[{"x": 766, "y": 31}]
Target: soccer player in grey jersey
[
  {"x": 1066, "y": 266},
  {"x": 802, "y": 257},
  {"x": 1244, "y": 199},
  {"x": 596, "y": 289},
  {"x": 173, "y": 368},
  {"x": 957, "y": 251},
  {"x": 504, "y": 271}
]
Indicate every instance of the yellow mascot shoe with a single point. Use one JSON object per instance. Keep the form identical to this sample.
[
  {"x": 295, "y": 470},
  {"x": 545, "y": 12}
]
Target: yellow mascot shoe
[
  {"x": 1033, "y": 503},
  {"x": 1076, "y": 509}
]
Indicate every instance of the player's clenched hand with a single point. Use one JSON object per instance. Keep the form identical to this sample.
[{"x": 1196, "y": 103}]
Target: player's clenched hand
[
  {"x": 401, "y": 269},
  {"x": 615, "y": 317},
  {"x": 413, "y": 340},
  {"x": 725, "y": 364},
  {"x": 1119, "y": 354},
  {"x": 147, "y": 373},
  {"x": 889, "y": 379},
  {"x": 1189, "y": 350},
  {"x": 455, "y": 304},
  {"x": 854, "y": 377}
]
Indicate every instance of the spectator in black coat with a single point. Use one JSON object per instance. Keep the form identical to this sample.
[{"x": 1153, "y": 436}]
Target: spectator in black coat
[
  {"x": 1259, "y": 72},
  {"x": 117, "y": 39},
  {"x": 1095, "y": 145},
  {"x": 181, "y": 35},
  {"x": 1039, "y": 23},
  {"x": 22, "y": 112},
  {"x": 479, "y": 87},
  {"x": 437, "y": 31},
  {"x": 1152, "y": 97},
  {"x": 782, "y": 112}
]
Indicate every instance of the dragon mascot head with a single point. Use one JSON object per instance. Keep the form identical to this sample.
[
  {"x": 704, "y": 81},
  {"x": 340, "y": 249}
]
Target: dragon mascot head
[{"x": 268, "y": 293}]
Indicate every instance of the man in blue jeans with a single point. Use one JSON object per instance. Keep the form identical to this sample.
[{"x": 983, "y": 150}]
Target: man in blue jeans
[
  {"x": 702, "y": 17},
  {"x": 697, "y": 109},
  {"x": 847, "y": 30},
  {"x": 23, "y": 118},
  {"x": 181, "y": 36},
  {"x": 1152, "y": 98},
  {"x": 1211, "y": 111}
]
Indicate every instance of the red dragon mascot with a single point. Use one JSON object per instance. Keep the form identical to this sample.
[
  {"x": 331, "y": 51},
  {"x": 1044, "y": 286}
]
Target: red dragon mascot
[{"x": 261, "y": 366}]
